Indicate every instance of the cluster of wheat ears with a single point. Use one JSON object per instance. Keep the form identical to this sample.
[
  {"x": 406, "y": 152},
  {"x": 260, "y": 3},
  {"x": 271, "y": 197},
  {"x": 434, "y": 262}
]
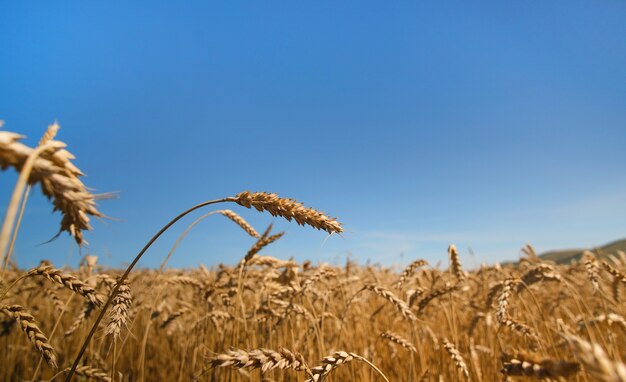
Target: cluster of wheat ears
[{"x": 267, "y": 319}]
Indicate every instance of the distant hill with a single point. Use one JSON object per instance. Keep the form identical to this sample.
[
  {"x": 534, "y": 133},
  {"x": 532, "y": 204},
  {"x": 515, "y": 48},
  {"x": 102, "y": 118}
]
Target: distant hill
[{"x": 566, "y": 256}]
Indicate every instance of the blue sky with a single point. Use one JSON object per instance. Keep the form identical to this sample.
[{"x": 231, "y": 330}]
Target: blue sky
[{"x": 418, "y": 124}]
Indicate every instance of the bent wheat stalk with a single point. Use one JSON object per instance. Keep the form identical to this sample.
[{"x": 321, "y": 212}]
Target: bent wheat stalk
[
  {"x": 287, "y": 208},
  {"x": 125, "y": 276},
  {"x": 227, "y": 213}
]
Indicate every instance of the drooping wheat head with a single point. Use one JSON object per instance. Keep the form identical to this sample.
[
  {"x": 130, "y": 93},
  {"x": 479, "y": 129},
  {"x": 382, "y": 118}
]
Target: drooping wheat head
[
  {"x": 288, "y": 209},
  {"x": 27, "y": 322},
  {"x": 70, "y": 282}
]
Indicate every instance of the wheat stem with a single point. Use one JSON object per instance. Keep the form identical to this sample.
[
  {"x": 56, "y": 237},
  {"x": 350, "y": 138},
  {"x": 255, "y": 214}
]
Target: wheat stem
[
  {"x": 125, "y": 275},
  {"x": 18, "y": 192}
]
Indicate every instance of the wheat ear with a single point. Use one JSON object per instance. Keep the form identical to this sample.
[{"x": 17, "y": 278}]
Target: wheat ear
[
  {"x": 70, "y": 282},
  {"x": 48, "y": 136},
  {"x": 59, "y": 180},
  {"x": 399, "y": 340},
  {"x": 288, "y": 209},
  {"x": 241, "y": 222},
  {"x": 435, "y": 294},
  {"x": 523, "y": 364},
  {"x": 264, "y": 359},
  {"x": 270, "y": 261},
  {"x": 455, "y": 263},
  {"x": 596, "y": 362},
  {"x": 322, "y": 272},
  {"x": 91, "y": 372},
  {"x": 260, "y": 244},
  {"x": 119, "y": 309},
  {"x": 502, "y": 313},
  {"x": 617, "y": 274},
  {"x": 591, "y": 266},
  {"x": 529, "y": 251},
  {"x": 186, "y": 280},
  {"x": 261, "y": 201},
  {"x": 457, "y": 358},
  {"x": 82, "y": 317},
  {"x": 541, "y": 272},
  {"x": 400, "y": 305},
  {"x": 27, "y": 322},
  {"x": 409, "y": 270},
  {"x": 335, "y": 360}
]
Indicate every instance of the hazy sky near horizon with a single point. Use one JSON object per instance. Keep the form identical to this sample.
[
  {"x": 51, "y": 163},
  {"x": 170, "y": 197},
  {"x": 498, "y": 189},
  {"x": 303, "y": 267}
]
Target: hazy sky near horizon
[{"x": 418, "y": 124}]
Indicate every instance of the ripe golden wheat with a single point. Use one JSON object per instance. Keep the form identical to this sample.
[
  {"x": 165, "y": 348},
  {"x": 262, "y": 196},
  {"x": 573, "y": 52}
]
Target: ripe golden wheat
[{"x": 534, "y": 320}]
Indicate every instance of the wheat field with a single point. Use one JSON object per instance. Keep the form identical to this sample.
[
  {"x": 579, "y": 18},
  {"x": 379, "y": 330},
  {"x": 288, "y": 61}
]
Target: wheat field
[{"x": 269, "y": 319}]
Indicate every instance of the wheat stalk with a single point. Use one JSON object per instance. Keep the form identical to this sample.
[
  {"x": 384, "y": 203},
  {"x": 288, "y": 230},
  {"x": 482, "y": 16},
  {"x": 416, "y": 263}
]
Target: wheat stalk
[
  {"x": 82, "y": 316},
  {"x": 48, "y": 136}
]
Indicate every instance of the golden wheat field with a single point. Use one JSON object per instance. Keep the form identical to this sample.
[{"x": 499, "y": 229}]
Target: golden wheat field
[{"x": 268, "y": 319}]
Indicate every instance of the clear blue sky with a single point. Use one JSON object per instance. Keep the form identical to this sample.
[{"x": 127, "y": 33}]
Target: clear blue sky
[{"x": 418, "y": 124}]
